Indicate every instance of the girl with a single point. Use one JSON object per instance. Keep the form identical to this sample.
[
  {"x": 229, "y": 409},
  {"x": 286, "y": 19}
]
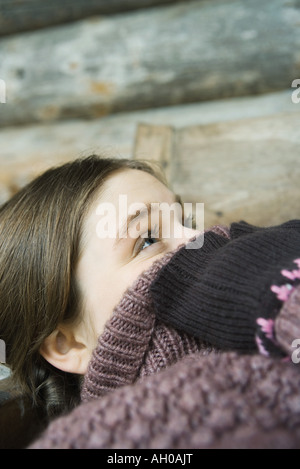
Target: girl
[
  {"x": 75, "y": 302},
  {"x": 59, "y": 282}
]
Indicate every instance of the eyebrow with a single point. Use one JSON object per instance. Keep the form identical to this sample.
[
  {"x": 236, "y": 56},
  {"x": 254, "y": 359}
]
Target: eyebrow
[
  {"x": 123, "y": 231},
  {"x": 140, "y": 214}
]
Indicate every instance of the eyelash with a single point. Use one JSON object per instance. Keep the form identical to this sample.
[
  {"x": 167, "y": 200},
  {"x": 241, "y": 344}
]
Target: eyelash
[
  {"x": 187, "y": 221},
  {"x": 154, "y": 234}
]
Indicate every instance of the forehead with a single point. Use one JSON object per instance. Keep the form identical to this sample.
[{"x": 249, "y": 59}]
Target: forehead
[
  {"x": 138, "y": 185},
  {"x": 135, "y": 186}
]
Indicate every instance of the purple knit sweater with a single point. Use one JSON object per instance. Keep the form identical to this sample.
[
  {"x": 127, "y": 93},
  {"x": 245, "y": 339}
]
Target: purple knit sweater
[
  {"x": 218, "y": 401},
  {"x": 149, "y": 386}
]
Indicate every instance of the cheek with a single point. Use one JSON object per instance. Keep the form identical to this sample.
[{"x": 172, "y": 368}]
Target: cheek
[
  {"x": 102, "y": 297},
  {"x": 136, "y": 268},
  {"x": 123, "y": 279}
]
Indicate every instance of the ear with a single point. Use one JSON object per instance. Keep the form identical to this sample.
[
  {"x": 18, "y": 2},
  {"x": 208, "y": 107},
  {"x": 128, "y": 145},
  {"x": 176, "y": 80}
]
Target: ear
[{"x": 66, "y": 352}]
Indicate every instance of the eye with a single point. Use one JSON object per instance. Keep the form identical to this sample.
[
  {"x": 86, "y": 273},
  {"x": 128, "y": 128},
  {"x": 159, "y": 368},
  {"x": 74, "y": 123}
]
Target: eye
[{"x": 148, "y": 242}]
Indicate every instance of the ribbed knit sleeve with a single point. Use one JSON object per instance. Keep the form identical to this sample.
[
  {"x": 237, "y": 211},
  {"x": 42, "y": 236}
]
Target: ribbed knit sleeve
[
  {"x": 229, "y": 292},
  {"x": 135, "y": 343}
]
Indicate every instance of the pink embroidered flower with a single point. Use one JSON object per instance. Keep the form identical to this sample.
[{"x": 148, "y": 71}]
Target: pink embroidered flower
[
  {"x": 291, "y": 275},
  {"x": 261, "y": 347},
  {"x": 294, "y": 274},
  {"x": 282, "y": 292},
  {"x": 267, "y": 326}
]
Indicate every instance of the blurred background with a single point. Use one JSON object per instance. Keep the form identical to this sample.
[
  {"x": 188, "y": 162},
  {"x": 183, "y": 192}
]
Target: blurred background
[{"x": 204, "y": 87}]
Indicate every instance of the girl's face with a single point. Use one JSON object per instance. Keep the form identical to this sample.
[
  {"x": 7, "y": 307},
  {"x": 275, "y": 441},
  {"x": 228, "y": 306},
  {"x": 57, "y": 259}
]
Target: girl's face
[{"x": 118, "y": 244}]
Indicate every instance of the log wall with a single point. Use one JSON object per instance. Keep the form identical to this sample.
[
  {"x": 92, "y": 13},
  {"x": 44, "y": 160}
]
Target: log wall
[
  {"x": 26, "y": 15},
  {"x": 187, "y": 52},
  {"x": 241, "y": 170}
]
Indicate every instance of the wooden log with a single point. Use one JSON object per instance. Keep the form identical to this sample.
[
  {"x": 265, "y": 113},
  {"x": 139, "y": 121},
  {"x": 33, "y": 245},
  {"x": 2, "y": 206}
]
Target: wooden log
[
  {"x": 190, "y": 52},
  {"x": 29, "y": 150},
  {"x": 246, "y": 169},
  {"x": 27, "y": 15},
  {"x": 155, "y": 143}
]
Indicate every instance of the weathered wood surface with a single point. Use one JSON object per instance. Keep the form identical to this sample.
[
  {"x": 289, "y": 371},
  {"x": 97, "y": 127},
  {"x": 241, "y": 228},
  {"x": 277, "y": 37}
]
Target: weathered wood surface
[
  {"x": 27, "y": 15},
  {"x": 247, "y": 169},
  {"x": 26, "y": 151},
  {"x": 155, "y": 143},
  {"x": 189, "y": 52}
]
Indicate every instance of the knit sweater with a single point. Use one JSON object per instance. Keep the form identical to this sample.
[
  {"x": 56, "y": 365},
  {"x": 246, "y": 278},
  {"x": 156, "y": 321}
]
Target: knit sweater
[
  {"x": 218, "y": 401},
  {"x": 134, "y": 343},
  {"x": 229, "y": 292},
  {"x": 150, "y": 386}
]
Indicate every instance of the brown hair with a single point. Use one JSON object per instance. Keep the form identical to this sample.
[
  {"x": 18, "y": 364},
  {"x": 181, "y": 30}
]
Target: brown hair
[{"x": 40, "y": 231}]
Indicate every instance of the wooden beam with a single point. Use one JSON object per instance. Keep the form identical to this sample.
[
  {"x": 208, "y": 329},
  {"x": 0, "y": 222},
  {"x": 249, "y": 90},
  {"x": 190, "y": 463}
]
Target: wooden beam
[
  {"x": 189, "y": 52},
  {"x": 27, "y": 15},
  {"x": 155, "y": 143},
  {"x": 27, "y": 151},
  {"x": 241, "y": 170}
]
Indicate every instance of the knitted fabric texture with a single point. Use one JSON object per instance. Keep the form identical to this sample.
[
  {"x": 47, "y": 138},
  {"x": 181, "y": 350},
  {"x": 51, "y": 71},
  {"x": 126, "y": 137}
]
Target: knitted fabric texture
[
  {"x": 229, "y": 292},
  {"x": 214, "y": 401},
  {"x": 221, "y": 400},
  {"x": 134, "y": 343}
]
